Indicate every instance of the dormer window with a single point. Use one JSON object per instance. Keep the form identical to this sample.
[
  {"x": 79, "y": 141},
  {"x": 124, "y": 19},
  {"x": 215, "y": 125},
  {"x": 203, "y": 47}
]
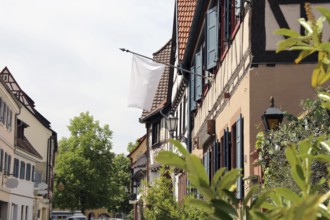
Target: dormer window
[{"x": 20, "y": 129}]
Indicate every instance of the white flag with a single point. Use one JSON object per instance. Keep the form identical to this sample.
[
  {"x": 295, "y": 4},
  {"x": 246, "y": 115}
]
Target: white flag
[{"x": 145, "y": 77}]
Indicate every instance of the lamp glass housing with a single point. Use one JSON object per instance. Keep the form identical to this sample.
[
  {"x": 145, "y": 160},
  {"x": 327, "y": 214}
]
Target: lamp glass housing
[
  {"x": 171, "y": 123},
  {"x": 272, "y": 118}
]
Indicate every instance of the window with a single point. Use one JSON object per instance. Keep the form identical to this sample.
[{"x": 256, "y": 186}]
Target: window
[
  {"x": 22, "y": 173},
  {"x": 155, "y": 133},
  {"x": 7, "y": 163},
  {"x": 207, "y": 162},
  {"x": 1, "y": 109},
  {"x": 4, "y": 112},
  {"x": 226, "y": 149},
  {"x": 1, "y": 160},
  {"x": 32, "y": 173},
  {"x": 236, "y": 15},
  {"x": 239, "y": 156},
  {"x": 9, "y": 118},
  {"x": 16, "y": 168},
  {"x": 216, "y": 152},
  {"x": 28, "y": 171}
]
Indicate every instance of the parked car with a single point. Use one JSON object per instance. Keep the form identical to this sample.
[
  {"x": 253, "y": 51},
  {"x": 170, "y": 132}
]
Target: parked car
[{"x": 77, "y": 216}]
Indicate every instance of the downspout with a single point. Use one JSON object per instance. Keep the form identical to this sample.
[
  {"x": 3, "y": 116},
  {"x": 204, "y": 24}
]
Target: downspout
[{"x": 16, "y": 126}]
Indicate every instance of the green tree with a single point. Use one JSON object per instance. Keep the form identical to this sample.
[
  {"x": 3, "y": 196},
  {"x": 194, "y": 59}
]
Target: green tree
[
  {"x": 312, "y": 123},
  {"x": 120, "y": 180},
  {"x": 161, "y": 203},
  {"x": 85, "y": 164},
  {"x": 131, "y": 146}
]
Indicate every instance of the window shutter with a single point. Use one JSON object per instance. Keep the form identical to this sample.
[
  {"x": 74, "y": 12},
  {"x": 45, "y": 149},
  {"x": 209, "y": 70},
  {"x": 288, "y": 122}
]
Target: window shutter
[
  {"x": 212, "y": 38},
  {"x": 239, "y": 155},
  {"x": 192, "y": 90},
  {"x": 216, "y": 158},
  {"x": 199, "y": 71},
  {"x": 1, "y": 160},
  {"x": 9, "y": 164},
  {"x": 28, "y": 171},
  {"x": 226, "y": 148},
  {"x": 33, "y": 173},
  {"x": 1, "y": 109},
  {"x": 16, "y": 164},
  {"x": 4, "y": 113}
]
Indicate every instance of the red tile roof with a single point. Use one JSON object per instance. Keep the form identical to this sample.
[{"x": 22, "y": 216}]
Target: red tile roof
[
  {"x": 164, "y": 56},
  {"x": 185, "y": 13}
]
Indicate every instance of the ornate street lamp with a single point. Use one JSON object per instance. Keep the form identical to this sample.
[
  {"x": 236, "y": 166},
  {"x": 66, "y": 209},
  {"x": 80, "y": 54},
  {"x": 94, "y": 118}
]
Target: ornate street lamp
[
  {"x": 171, "y": 123},
  {"x": 272, "y": 117}
]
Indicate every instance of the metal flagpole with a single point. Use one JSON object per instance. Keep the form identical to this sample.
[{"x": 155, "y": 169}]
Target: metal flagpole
[{"x": 167, "y": 64}]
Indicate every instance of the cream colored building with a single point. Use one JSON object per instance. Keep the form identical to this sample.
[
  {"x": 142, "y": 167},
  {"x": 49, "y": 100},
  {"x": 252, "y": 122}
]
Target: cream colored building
[
  {"x": 235, "y": 45},
  {"x": 34, "y": 148}
]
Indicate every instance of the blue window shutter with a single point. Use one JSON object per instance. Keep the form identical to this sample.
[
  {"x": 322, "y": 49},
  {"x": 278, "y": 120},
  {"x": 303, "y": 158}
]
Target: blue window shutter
[
  {"x": 226, "y": 149},
  {"x": 192, "y": 90},
  {"x": 216, "y": 158},
  {"x": 198, "y": 79},
  {"x": 212, "y": 38},
  {"x": 239, "y": 155}
]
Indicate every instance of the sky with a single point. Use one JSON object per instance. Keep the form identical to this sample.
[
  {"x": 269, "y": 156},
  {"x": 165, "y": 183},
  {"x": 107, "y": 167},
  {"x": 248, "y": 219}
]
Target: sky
[{"x": 65, "y": 55}]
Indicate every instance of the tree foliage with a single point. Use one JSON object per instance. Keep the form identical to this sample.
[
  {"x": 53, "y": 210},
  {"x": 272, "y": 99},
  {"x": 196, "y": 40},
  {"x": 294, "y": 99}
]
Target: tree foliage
[
  {"x": 309, "y": 43},
  {"x": 161, "y": 204},
  {"x": 131, "y": 146},
  {"x": 218, "y": 196},
  {"x": 120, "y": 180},
  {"x": 314, "y": 122},
  {"x": 85, "y": 164}
]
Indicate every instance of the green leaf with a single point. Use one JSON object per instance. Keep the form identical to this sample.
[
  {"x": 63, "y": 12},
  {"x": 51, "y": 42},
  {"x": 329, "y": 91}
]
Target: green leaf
[
  {"x": 286, "y": 43},
  {"x": 216, "y": 177},
  {"x": 303, "y": 54},
  {"x": 248, "y": 196},
  {"x": 258, "y": 215},
  {"x": 324, "y": 46},
  {"x": 224, "y": 206},
  {"x": 179, "y": 146},
  {"x": 196, "y": 168},
  {"x": 324, "y": 96},
  {"x": 325, "y": 12},
  {"x": 200, "y": 204},
  {"x": 326, "y": 145},
  {"x": 231, "y": 196},
  {"x": 305, "y": 147},
  {"x": 171, "y": 159},
  {"x": 296, "y": 168},
  {"x": 300, "y": 172},
  {"x": 287, "y": 32},
  {"x": 319, "y": 76},
  {"x": 287, "y": 193},
  {"x": 229, "y": 179}
]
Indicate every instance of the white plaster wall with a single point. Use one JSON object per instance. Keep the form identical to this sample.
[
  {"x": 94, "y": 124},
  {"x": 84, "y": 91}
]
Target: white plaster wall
[{"x": 36, "y": 133}]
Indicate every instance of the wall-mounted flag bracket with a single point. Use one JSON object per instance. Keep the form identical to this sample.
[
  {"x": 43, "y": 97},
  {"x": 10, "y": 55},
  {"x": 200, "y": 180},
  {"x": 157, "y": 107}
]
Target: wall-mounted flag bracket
[{"x": 167, "y": 64}]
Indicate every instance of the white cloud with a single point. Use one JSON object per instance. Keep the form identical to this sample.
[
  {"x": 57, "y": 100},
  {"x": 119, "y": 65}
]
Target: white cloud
[{"x": 65, "y": 55}]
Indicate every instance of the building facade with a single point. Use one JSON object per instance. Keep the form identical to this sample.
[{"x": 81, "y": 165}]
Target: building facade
[{"x": 35, "y": 145}]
